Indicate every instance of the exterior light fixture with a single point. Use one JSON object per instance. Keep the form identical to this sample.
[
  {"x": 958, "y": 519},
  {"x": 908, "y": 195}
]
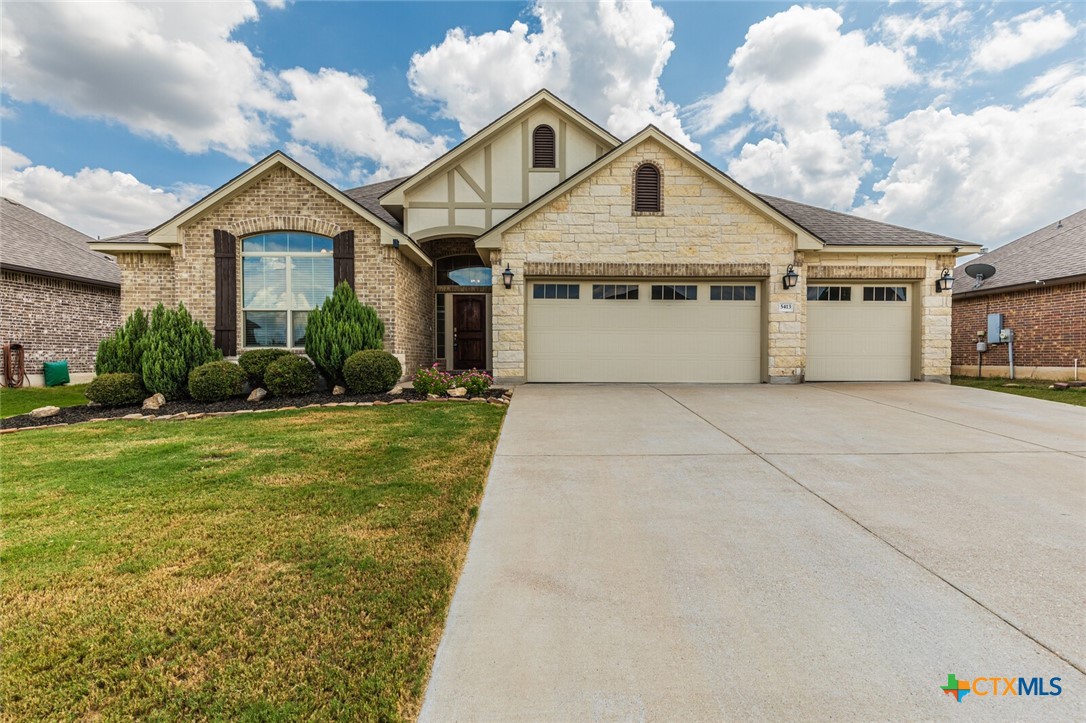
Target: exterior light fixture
[
  {"x": 507, "y": 277},
  {"x": 790, "y": 277},
  {"x": 945, "y": 283},
  {"x": 395, "y": 243}
]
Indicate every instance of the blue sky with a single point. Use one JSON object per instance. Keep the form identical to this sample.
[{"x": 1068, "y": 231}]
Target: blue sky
[{"x": 960, "y": 118}]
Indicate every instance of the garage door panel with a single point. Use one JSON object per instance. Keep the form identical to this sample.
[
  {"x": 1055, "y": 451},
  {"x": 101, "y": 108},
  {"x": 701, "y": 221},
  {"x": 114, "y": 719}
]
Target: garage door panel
[{"x": 859, "y": 340}]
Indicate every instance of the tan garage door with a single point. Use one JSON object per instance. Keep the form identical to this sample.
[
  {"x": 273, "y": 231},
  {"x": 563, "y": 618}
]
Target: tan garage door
[
  {"x": 643, "y": 331},
  {"x": 859, "y": 332}
]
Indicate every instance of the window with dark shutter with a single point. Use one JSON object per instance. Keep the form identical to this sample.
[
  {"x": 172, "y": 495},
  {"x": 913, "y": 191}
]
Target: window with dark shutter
[
  {"x": 543, "y": 147},
  {"x": 647, "y": 189},
  {"x": 343, "y": 258},
  {"x": 226, "y": 292}
]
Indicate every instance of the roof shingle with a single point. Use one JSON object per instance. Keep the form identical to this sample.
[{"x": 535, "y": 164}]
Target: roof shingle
[{"x": 33, "y": 242}]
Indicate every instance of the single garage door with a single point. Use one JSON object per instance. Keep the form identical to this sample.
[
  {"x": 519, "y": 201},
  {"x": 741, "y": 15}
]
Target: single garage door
[
  {"x": 859, "y": 332},
  {"x": 643, "y": 331}
]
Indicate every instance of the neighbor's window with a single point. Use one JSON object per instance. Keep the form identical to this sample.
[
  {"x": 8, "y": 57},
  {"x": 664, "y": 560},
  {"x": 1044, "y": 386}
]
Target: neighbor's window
[
  {"x": 829, "y": 293},
  {"x": 466, "y": 270},
  {"x": 884, "y": 293},
  {"x": 556, "y": 291},
  {"x": 671, "y": 292},
  {"x": 543, "y": 154},
  {"x": 647, "y": 189},
  {"x": 626, "y": 292},
  {"x": 732, "y": 293},
  {"x": 284, "y": 276}
]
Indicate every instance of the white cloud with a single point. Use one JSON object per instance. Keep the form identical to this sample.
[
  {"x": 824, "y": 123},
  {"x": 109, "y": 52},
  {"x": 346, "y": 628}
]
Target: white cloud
[
  {"x": 990, "y": 175},
  {"x": 1024, "y": 37},
  {"x": 166, "y": 70},
  {"x": 901, "y": 30},
  {"x": 335, "y": 110},
  {"x": 603, "y": 58},
  {"x": 820, "y": 91},
  {"x": 96, "y": 201}
]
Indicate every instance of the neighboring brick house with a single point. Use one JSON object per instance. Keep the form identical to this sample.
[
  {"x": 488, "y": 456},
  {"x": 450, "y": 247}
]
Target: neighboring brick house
[
  {"x": 58, "y": 298},
  {"x": 1040, "y": 288},
  {"x": 545, "y": 249}
]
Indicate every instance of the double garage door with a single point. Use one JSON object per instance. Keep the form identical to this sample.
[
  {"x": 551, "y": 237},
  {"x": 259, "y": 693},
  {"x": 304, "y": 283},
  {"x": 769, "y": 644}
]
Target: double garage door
[
  {"x": 644, "y": 331},
  {"x": 590, "y": 330}
]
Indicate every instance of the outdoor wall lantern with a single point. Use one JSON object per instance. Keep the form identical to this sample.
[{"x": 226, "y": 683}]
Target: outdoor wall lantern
[
  {"x": 946, "y": 283},
  {"x": 507, "y": 277},
  {"x": 790, "y": 277}
]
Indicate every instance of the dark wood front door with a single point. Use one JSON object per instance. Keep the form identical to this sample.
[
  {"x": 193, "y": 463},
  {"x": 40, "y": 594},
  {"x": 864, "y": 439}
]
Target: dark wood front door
[{"x": 469, "y": 332}]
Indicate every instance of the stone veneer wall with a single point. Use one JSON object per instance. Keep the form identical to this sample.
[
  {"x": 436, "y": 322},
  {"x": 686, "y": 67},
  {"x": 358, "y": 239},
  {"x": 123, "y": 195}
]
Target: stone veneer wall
[
  {"x": 702, "y": 224},
  {"x": 56, "y": 319}
]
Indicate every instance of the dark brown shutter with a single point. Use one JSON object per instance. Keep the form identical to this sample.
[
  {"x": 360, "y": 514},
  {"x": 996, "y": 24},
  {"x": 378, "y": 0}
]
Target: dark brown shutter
[
  {"x": 343, "y": 258},
  {"x": 647, "y": 188},
  {"x": 543, "y": 147},
  {"x": 226, "y": 292}
]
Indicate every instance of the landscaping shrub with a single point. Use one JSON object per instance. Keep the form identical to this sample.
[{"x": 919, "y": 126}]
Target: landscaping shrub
[
  {"x": 121, "y": 351},
  {"x": 175, "y": 345},
  {"x": 290, "y": 376},
  {"x": 432, "y": 380},
  {"x": 342, "y": 326},
  {"x": 116, "y": 388},
  {"x": 255, "y": 363},
  {"x": 371, "y": 371},
  {"x": 475, "y": 381},
  {"x": 216, "y": 381}
]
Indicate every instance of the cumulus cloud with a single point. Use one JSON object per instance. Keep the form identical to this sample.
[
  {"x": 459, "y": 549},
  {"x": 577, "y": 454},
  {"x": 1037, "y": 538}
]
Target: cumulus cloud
[
  {"x": 603, "y": 58},
  {"x": 96, "y": 201},
  {"x": 901, "y": 30},
  {"x": 1024, "y": 37},
  {"x": 993, "y": 174},
  {"x": 818, "y": 91}
]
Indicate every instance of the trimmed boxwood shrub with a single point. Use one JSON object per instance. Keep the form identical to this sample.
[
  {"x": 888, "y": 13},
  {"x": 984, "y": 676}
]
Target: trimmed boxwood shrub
[
  {"x": 175, "y": 345},
  {"x": 290, "y": 376},
  {"x": 342, "y": 326},
  {"x": 255, "y": 363},
  {"x": 121, "y": 351},
  {"x": 115, "y": 389},
  {"x": 371, "y": 371},
  {"x": 216, "y": 381}
]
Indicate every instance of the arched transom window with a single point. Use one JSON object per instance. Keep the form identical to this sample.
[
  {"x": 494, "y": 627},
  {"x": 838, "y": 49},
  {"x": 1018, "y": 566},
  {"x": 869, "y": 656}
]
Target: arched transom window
[
  {"x": 284, "y": 276},
  {"x": 647, "y": 189},
  {"x": 543, "y": 154},
  {"x": 463, "y": 270}
]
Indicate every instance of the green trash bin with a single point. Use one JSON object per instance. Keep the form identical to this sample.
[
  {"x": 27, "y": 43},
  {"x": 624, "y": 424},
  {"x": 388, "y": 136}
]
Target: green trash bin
[{"x": 56, "y": 373}]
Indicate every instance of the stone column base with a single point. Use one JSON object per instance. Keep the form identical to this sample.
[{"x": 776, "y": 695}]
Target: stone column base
[{"x": 787, "y": 379}]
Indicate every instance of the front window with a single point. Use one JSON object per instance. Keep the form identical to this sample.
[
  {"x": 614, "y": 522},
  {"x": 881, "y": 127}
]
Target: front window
[
  {"x": 462, "y": 271},
  {"x": 284, "y": 276}
]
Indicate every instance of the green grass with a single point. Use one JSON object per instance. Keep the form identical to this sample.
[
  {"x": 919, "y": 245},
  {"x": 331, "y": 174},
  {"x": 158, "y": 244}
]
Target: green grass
[
  {"x": 1036, "y": 388},
  {"x": 258, "y": 567},
  {"x": 23, "y": 399}
]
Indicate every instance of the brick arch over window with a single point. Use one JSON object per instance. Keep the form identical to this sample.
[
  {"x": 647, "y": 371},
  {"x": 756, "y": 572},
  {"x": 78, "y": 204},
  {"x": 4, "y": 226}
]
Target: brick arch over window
[
  {"x": 543, "y": 147},
  {"x": 262, "y": 224},
  {"x": 648, "y": 188}
]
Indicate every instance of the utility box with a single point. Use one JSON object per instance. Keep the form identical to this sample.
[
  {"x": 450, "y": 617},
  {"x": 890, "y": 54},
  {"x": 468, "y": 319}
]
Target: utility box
[{"x": 995, "y": 326}]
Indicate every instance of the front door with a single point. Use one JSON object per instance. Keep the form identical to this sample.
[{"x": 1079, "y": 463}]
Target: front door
[{"x": 469, "y": 332}]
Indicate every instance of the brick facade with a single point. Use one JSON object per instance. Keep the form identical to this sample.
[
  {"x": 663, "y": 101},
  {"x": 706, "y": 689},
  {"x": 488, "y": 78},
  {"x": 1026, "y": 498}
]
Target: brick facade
[
  {"x": 1049, "y": 324},
  {"x": 56, "y": 319}
]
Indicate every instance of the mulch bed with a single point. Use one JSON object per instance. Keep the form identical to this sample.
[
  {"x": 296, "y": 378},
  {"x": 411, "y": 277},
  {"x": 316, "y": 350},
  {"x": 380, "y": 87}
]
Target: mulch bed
[{"x": 73, "y": 415}]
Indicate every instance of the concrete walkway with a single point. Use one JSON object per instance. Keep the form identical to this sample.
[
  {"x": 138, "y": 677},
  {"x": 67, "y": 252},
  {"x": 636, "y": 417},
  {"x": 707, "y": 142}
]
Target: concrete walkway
[{"x": 681, "y": 552}]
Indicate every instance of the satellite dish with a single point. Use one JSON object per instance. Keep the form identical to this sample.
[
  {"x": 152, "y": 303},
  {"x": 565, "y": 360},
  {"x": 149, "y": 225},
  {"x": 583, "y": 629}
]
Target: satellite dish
[{"x": 980, "y": 272}]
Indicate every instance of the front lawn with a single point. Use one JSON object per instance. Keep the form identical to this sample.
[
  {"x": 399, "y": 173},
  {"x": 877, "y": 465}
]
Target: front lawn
[
  {"x": 276, "y": 566},
  {"x": 1036, "y": 388},
  {"x": 23, "y": 399}
]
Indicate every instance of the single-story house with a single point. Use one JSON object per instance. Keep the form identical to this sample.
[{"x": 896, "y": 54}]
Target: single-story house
[
  {"x": 1040, "y": 288},
  {"x": 546, "y": 249},
  {"x": 58, "y": 298}
]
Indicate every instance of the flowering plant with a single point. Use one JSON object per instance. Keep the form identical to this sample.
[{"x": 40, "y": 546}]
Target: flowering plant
[
  {"x": 475, "y": 381},
  {"x": 433, "y": 380}
]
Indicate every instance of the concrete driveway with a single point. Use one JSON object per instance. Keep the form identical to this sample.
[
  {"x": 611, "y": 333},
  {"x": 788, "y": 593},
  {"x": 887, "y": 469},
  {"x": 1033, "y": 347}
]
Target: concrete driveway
[{"x": 691, "y": 552}]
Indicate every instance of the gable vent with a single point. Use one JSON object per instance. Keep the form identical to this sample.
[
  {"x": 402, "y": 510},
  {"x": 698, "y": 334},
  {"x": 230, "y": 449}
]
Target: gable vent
[
  {"x": 543, "y": 147},
  {"x": 647, "y": 188}
]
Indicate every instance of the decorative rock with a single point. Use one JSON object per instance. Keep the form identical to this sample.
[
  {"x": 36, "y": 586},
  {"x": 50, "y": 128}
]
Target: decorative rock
[
  {"x": 153, "y": 402},
  {"x": 496, "y": 400},
  {"x": 457, "y": 392},
  {"x": 478, "y": 399},
  {"x": 395, "y": 391},
  {"x": 398, "y": 401},
  {"x": 9, "y": 430},
  {"x": 43, "y": 412},
  {"x": 132, "y": 416},
  {"x": 338, "y": 391},
  {"x": 456, "y": 399},
  {"x": 432, "y": 396},
  {"x": 161, "y": 418},
  {"x": 94, "y": 404},
  {"x": 258, "y": 394},
  {"x": 379, "y": 403},
  {"x": 1057, "y": 385}
]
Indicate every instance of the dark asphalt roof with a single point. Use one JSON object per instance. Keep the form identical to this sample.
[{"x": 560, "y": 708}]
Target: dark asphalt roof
[
  {"x": 366, "y": 196},
  {"x": 1056, "y": 251},
  {"x": 33, "y": 242}
]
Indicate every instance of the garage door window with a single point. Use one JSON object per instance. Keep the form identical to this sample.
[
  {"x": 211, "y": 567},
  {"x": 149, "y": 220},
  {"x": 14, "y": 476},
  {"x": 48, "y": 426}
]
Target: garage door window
[
  {"x": 615, "y": 292},
  {"x": 884, "y": 293},
  {"x": 829, "y": 293},
  {"x": 556, "y": 291},
  {"x": 672, "y": 292},
  {"x": 732, "y": 293}
]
